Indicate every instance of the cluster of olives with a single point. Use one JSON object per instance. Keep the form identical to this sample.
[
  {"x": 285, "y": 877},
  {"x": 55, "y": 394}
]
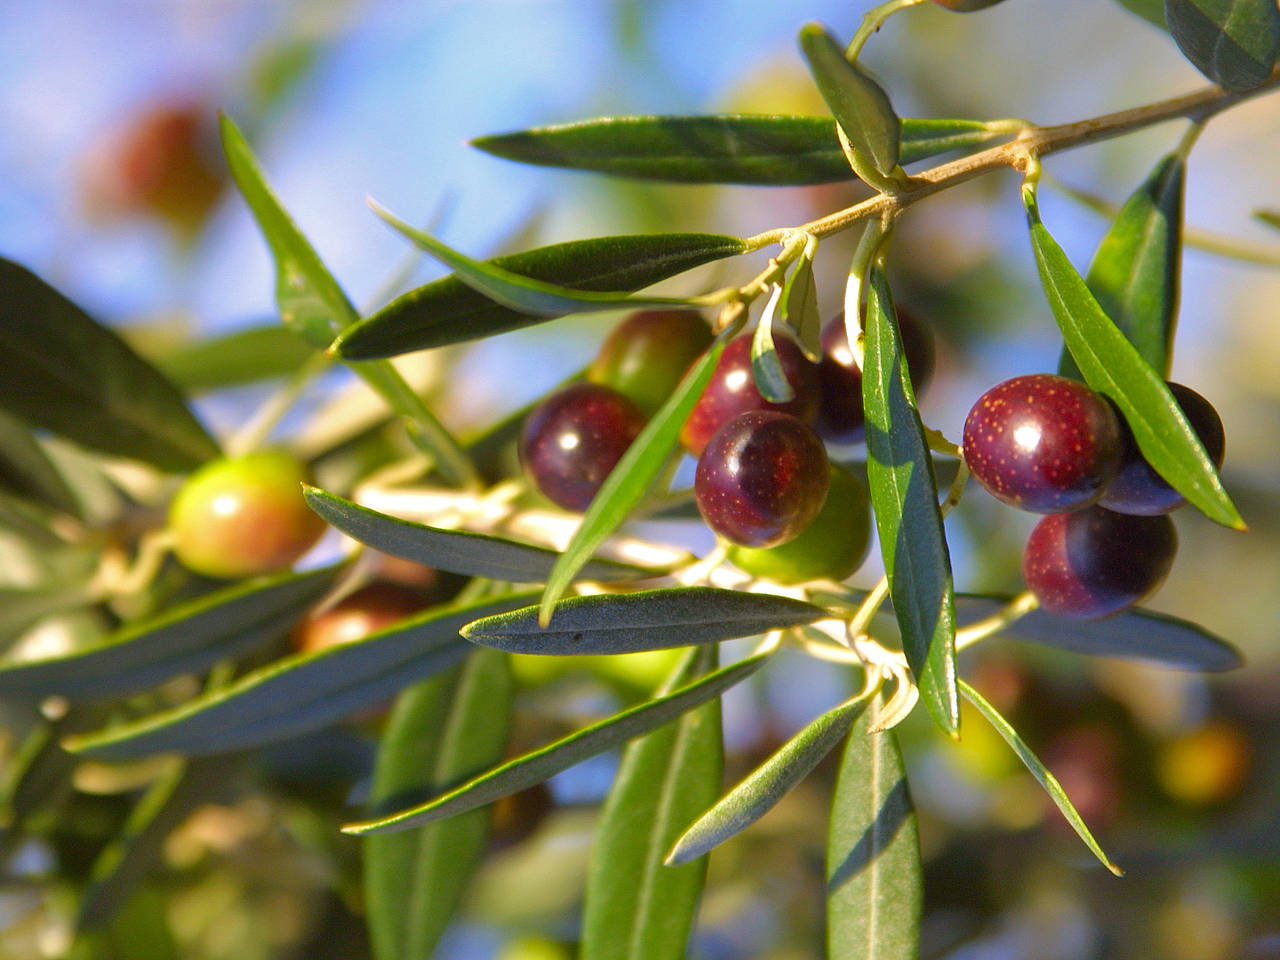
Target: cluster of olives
[
  {"x": 763, "y": 482},
  {"x": 1051, "y": 445}
]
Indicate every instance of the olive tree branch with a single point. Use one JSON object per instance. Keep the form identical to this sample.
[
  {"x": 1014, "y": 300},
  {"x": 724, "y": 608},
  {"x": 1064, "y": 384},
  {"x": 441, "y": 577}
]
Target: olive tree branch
[{"x": 1034, "y": 141}]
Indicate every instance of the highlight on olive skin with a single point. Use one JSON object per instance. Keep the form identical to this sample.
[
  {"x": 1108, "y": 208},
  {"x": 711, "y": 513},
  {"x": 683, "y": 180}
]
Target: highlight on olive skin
[{"x": 244, "y": 516}]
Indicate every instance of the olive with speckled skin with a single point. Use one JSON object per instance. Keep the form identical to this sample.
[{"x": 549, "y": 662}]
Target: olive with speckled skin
[
  {"x": 762, "y": 479},
  {"x": 732, "y": 390},
  {"x": 1137, "y": 488},
  {"x": 647, "y": 354},
  {"x": 574, "y": 438},
  {"x": 1094, "y": 563},
  {"x": 1043, "y": 443},
  {"x": 840, "y": 416}
]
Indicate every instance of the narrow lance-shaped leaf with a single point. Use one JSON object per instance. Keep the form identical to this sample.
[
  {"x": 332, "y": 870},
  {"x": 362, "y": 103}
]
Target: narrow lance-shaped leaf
[
  {"x": 858, "y": 103},
  {"x": 27, "y": 471},
  {"x": 631, "y": 478},
  {"x": 62, "y": 371},
  {"x": 1270, "y": 217},
  {"x": 768, "y": 783},
  {"x": 314, "y": 306},
  {"x": 1150, "y": 10},
  {"x": 415, "y": 879},
  {"x": 542, "y": 764},
  {"x": 800, "y": 307},
  {"x": 299, "y": 693},
  {"x": 456, "y": 551},
  {"x": 636, "y": 908},
  {"x": 1040, "y": 772},
  {"x": 1137, "y": 634},
  {"x": 1134, "y": 274},
  {"x": 644, "y": 620},
  {"x": 187, "y": 638},
  {"x": 1232, "y": 42},
  {"x": 1111, "y": 365},
  {"x": 766, "y": 368},
  {"x": 448, "y": 311},
  {"x": 874, "y": 878},
  {"x": 753, "y": 149},
  {"x": 232, "y": 359},
  {"x": 905, "y": 497},
  {"x": 516, "y": 292}
]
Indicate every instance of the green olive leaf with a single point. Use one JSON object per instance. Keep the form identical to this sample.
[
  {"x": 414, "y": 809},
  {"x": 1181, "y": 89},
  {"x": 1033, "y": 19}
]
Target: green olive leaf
[
  {"x": 905, "y": 497},
  {"x": 633, "y": 475},
  {"x": 186, "y": 638},
  {"x": 635, "y": 907},
  {"x": 439, "y": 735},
  {"x": 643, "y": 620},
  {"x": 874, "y": 876},
  {"x": 1150, "y": 10},
  {"x": 768, "y": 783},
  {"x": 1136, "y": 634},
  {"x": 27, "y": 470},
  {"x": 754, "y": 149},
  {"x": 517, "y": 292},
  {"x": 448, "y": 311},
  {"x": 457, "y": 551},
  {"x": 1112, "y": 366},
  {"x": 243, "y": 356},
  {"x": 858, "y": 103},
  {"x": 799, "y": 307},
  {"x": 766, "y": 368},
  {"x": 299, "y": 693},
  {"x": 1040, "y": 772},
  {"x": 544, "y": 763},
  {"x": 1270, "y": 217},
  {"x": 1135, "y": 272},
  {"x": 64, "y": 372},
  {"x": 1232, "y": 42}
]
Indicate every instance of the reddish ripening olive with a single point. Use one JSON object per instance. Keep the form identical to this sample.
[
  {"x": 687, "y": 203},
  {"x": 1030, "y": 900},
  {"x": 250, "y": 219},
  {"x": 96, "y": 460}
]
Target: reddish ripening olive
[
  {"x": 372, "y": 608},
  {"x": 160, "y": 163},
  {"x": 574, "y": 438},
  {"x": 840, "y": 418},
  {"x": 1137, "y": 488},
  {"x": 832, "y": 547},
  {"x": 244, "y": 516},
  {"x": 761, "y": 479},
  {"x": 1043, "y": 443},
  {"x": 732, "y": 390},
  {"x": 647, "y": 353},
  {"x": 1093, "y": 562},
  {"x": 966, "y": 6}
]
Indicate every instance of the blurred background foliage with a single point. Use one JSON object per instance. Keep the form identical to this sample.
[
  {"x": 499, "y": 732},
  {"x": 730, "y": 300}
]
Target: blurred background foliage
[{"x": 1174, "y": 771}]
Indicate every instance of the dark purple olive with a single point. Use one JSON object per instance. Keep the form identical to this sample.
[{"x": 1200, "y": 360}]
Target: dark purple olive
[
  {"x": 732, "y": 390},
  {"x": 1093, "y": 563},
  {"x": 1043, "y": 443},
  {"x": 1137, "y": 488},
  {"x": 574, "y": 438},
  {"x": 762, "y": 479}
]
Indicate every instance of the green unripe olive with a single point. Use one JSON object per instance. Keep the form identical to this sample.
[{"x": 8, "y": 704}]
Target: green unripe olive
[
  {"x": 244, "y": 516},
  {"x": 832, "y": 547},
  {"x": 647, "y": 353}
]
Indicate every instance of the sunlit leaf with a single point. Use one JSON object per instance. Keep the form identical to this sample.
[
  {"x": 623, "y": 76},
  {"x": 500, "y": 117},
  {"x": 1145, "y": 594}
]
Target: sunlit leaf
[
  {"x": 448, "y": 311},
  {"x": 1040, "y": 772},
  {"x": 62, "y": 371},
  {"x": 1232, "y": 42},
  {"x": 874, "y": 877},
  {"x": 759, "y": 149},
  {"x": 633, "y": 475},
  {"x": 644, "y": 620},
  {"x": 636, "y": 908},
  {"x": 546, "y": 762},
  {"x": 457, "y": 551},
  {"x": 766, "y": 368},
  {"x": 1135, "y": 272},
  {"x": 858, "y": 103},
  {"x": 768, "y": 783},
  {"x": 1111, "y": 365},
  {"x": 187, "y": 638},
  {"x": 302, "y": 692},
  {"x": 799, "y": 307},
  {"x": 233, "y": 359},
  {"x": 905, "y": 498},
  {"x": 440, "y": 734}
]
